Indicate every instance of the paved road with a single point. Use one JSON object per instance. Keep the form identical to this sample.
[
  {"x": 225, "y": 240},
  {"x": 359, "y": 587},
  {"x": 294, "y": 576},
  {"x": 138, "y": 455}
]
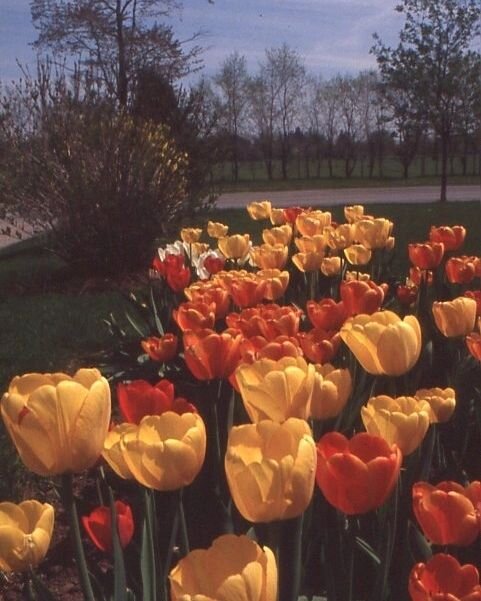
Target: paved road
[{"x": 349, "y": 196}]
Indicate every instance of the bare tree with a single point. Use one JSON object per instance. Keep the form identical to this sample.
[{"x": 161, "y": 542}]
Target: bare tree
[
  {"x": 232, "y": 82},
  {"x": 348, "y": 88},
  {"x": 116, "y": 38}
]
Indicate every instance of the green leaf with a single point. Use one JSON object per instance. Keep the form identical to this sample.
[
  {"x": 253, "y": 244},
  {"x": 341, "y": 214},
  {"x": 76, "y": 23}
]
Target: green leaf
[
  {"x": 147, "y": 552},
  {"x": 120, "y": 582},
  {"x": 368, "y": 550},
  {"x": 158, "y": 322}
]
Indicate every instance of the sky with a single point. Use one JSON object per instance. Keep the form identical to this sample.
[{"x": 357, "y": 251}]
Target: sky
[{"x": 332, "y": 36}]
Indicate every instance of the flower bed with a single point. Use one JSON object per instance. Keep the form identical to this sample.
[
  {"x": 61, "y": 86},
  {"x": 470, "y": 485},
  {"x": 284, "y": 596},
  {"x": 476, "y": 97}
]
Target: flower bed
[{"x": 295, "y": 420}]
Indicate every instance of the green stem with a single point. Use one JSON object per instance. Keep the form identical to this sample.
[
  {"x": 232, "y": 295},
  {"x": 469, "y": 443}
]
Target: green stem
[
  {"x": 290, "y": 559},
  {"x": 184, "y": 534},
  {"x": 71, "y": 509}
]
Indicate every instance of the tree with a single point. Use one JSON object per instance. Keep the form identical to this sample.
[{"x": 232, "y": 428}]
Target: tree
[
  {"x": 434, "y": 68},
  {"x": 232, "y": 83},
  {"x": 114, "y": 38}
]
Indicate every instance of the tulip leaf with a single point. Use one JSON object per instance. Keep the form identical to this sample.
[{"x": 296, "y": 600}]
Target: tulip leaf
[
  {"x": 147, "y": 553},
  {"x": 136, "y": 325},
  {"x": 158, "y": 322},
  {"x": 368, "y": 550}
]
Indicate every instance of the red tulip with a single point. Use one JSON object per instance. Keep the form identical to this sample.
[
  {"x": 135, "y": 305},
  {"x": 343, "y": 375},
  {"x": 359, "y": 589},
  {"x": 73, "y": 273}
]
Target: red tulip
[
  {"x": 451, "y": 237},
  {"x": 291, "y": 213},
  {"x": 476, "y": 295},
  {"x": 139, "y": 398},
  {"x": 362, "y": 297},
  {"x": 460, "y": 270},
  {"x": 318, "y": 345},
  {"x": 210, "y": 355},
  {"x": 406, "y": 294},
  {"x": 442, "y": 578},
  {"x": 161, "y": 349},
  {"x": 194, "y": 315},
  {"x": 357, "y": 475},
  {"x": 99, "y": 525},
  {"x": 445, "y": 513},
  {"x": 326, "y": 313},
  {"x": 427, "y": 255},
  {"x": 473, "y": 342}
]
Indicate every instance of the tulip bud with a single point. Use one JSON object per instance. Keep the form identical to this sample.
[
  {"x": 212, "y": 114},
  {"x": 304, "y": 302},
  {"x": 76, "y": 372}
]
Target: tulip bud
[{"x": 98, "y": 525}]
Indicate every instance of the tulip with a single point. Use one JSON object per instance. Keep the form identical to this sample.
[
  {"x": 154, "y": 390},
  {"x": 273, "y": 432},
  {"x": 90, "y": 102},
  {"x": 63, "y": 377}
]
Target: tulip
[
  {"x": 190, "y": 235},
  {"x": 234, "y": 247},
  {"x": 292, "y": 213},
  {"x": 456, "y": 317},
  {"x": 326, "y": 313},
  {"x": 311, "y": 244},
  {"x": 383, "y": 343},
  {"x": 357, "y": 254},
  {"x": 442, "y": 403},
  {"x": 248, "y": 290},
  {"x": 356, "y": 275},
  {"x": 210, "y": 293},
  {"x": 310, "y": 261},
  {"x": 164, "y": 452},
  {"x": 58, "y": 423},
  {"x": 362, "y": 297},
  {"x": 373, "y": 233},
  {"x": 418, "y": 276},
  {"x": 475, "y": 295},
  {"x": 332, "y": 388},
  {"x": 139, "y": 398},
  {"x": 98, "y": 525},
  {"x": 216, "y": 229},
  {"x": 357, "y": 475},
  {"x": 276, "y": 390},
  {"x": 460, "y": 270},
  {"x": 310, "y": 224},
  {"x": 407, "y": 294},
  {"x": 210, "y": 355},
  {"x": 319, "y": 346},
  {"x": 269, "y": 257},
  {"x": 259, "y": 347},
  {"x": 234, "y": 567},
  {"x": 178, "y": 279},
  {"x": 330, "y": 266},
  {"x": 161, "y": 349},
  {"x": 451, "y": 237},
  {"x": 270, "y": 469},
  {"x": 427, "y": 255},
  {"x": 354, "y": 213},
  {"x": 445, "y": 513},
  {"x": 442, "y": 578},
  {"x": 209, "y": 263},
  {"x": 276, "y": 282},
  {"x": 278, "y": 235},
  {"x": 278, "y": 216},
  {"x": 259, "y": 210},
  {"x": 269, "y": 321},
  {"x": 403, "y": 420},
  {"x": 340, "y": 237},
  {"x": 25, "y": 534},
  {"x": 194, "y": 315}
]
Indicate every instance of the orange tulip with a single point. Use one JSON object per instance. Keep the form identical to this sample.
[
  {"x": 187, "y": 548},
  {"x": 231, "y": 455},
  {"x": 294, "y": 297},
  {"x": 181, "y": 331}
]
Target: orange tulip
[
  {"x": 248, "y": 291},
  {"x": 445, "y": 513},
  {"x": 194, "y": 315},
  {"x": 161, "y": 349},
  {"x": 259, "y": 347},
  {"x": 319, "y": 346},
  {"x": 339, "y": 237},
  {"x": 310, "y": 261},
  {"x": 269, "y": 321},
  {"x": 427, "y": 255},
  {"x": 210, "y": 355},
  {"x": 362, "y": 297},
  {"x": 267, "y": 256},
  {"x": 210, "y": 293},
  {"x": 216, "y": 229},
  {"x": 326, "y": 313},
  {"x": 460, "y": 270},
  {"x": 311, "y": 244},
  {"x": 278, "y": 235},
  {"x": 312, "y": 223},
  {"x": 278, "y": 217},
  {"x": 475, "y": 295},
  {"x": 451, "y": 237},
  {"x": 357, "y": 475},
  {"x": 354, "y": 213},
  {"x": 442, "y": 578},
  {"x": 259, "y": 210}
]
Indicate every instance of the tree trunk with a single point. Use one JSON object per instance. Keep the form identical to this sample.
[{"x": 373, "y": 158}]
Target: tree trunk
[
  {"x": 122, "y": 88},
  {"x": 444, "y": 167}
]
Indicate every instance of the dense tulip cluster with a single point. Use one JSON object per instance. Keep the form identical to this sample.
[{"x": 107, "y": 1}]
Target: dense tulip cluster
[{"x": 272, "y": 363}]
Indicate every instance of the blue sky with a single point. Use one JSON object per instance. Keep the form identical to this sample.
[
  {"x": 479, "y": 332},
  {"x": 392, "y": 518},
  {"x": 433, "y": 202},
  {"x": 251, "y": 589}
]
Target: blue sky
[{"x": 331, "y": 35}]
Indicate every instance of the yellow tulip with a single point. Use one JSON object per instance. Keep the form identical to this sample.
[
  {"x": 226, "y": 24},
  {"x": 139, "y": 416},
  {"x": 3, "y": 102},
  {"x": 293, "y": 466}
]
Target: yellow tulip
[
  {"x": 354, "y": 213},
  {"x": 339, "y": 237},
  {"x": 270, "y": 469},
  {"x": 190, "y": 235},
  {"x": 357, "y": 254},
  {"x": 456, "y": 317},
  {"x": 233, "y": 568},
  {"x": 276, "y": 390},
  {"x": 356, "y": 275},
  {"x": 278, "y": 217},
  {"x": 403, "y": 420},
  {"x": 259, "y": 210},
  {"x": 216, "y": 229},
  {"x": 441, "y": 401},
  {"x": 277, "y": 282},
  {"x": 383, "y": 343},
  {"x": 330, "y": 266},
  {"x": 164, "y": 452},
  {"x": 309, "y": 261},
  {"x": 332, "y": 388},
  {"x": 312, "y": 223},
  {"x": 58, "y": 423},
  {"x": 373, "y": 233},
  {"x": 278, "y": 235},
  {"x": 25, "y": 534},
  {"x": 269, "y": 257},
  {"x": 234, "y": 247},
  {"x": 311, "y": 244}
]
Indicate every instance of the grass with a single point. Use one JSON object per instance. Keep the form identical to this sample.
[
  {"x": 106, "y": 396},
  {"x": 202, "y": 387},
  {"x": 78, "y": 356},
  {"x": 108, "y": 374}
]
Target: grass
[{"x": 253, "y": 176}]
